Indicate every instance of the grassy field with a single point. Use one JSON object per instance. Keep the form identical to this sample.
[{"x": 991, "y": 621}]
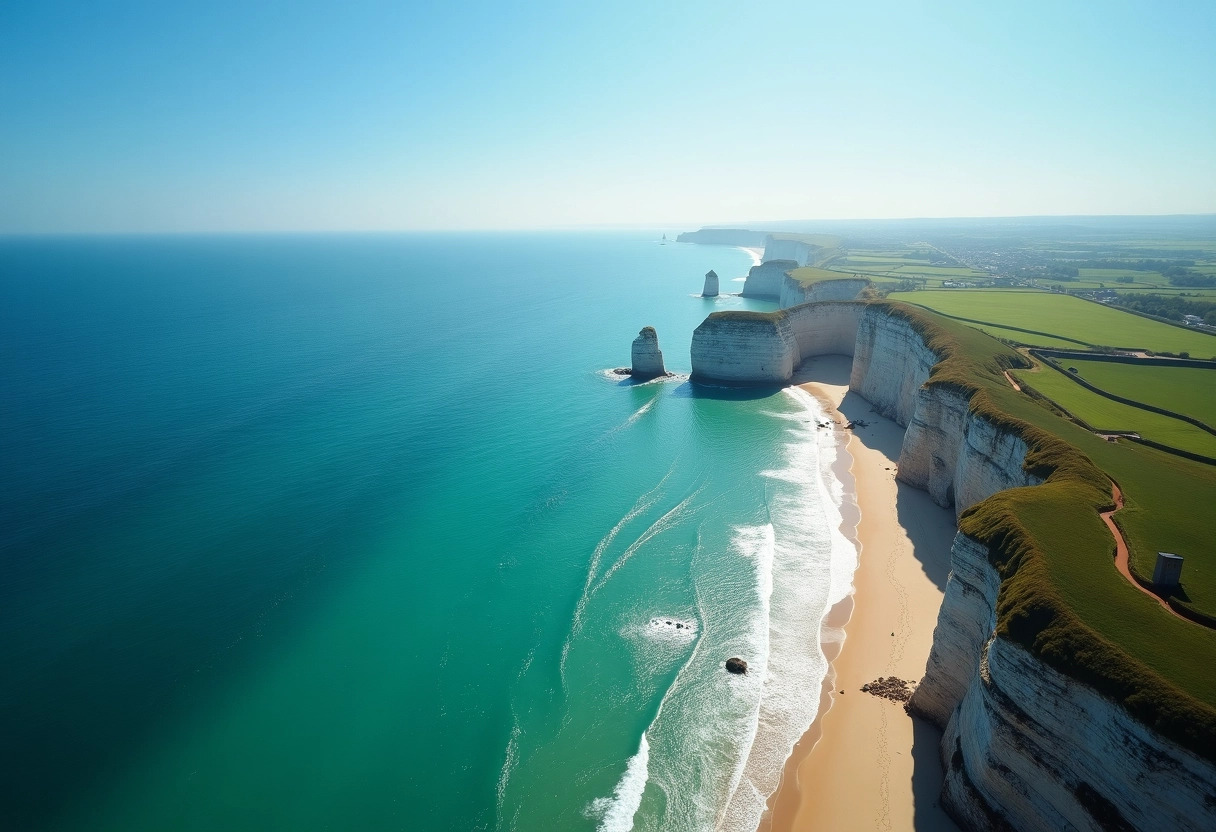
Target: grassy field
[
  {"x": 1064, "y": 316},
  {"x": 1049, "y": 543},
  {"x": 1030, "y": 339},
  {"x": 1187, "y": 390},
  {"x": 808, "y": 275},
  {"x": 1104, "y": 414}
]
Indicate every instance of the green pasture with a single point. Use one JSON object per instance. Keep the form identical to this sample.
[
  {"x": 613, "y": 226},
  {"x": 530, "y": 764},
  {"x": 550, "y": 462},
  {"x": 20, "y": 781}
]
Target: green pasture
[
  {"x": 808, "y": 275},
  {"x": 1102, "y": 413},
  {"x": 1187, "y": 390},
  {"x": 1030, "y": 339},
  {"x": 1168, "y": 503},
  {"x": 1064, "y": 316},
  {"x": 1113, "y": 275}
]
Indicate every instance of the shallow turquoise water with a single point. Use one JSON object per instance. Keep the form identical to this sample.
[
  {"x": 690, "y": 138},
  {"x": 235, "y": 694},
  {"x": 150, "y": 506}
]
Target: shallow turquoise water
[{"x": 355, "y": 532}]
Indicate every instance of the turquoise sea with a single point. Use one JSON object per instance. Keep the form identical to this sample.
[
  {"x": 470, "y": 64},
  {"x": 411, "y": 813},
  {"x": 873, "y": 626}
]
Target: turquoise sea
[{"x": 357, "y": 532}]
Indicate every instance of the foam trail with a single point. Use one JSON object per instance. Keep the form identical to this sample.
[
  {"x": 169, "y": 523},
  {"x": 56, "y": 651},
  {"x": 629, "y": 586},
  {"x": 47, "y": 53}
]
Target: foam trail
[
  {"x": 618, "y": 810},
  {"x": 508, "y": 768},
  {"x": 637, "y": 414},
  {"x": 641, "y": 411},
  {"x": 511, "y": 757},
  {"x": 662, "y": 524},
  {"x": 642, "y": 504}
]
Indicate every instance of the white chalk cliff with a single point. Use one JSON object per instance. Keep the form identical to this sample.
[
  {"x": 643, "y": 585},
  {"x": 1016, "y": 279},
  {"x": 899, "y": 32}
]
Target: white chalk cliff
[
  {"x": 794, "y": 293},
  {"x": 647, "y": 357},
  {"x": 1025, "y": 747},
  {"x": 764, "y": 281},
  {"x": 711, "y": 285},
  {"x": 781, "y": 248}
]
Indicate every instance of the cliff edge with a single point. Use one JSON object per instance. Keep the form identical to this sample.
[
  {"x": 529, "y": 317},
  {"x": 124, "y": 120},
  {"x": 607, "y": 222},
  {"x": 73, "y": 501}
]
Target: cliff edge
[{"x": 1035, "y": 736}]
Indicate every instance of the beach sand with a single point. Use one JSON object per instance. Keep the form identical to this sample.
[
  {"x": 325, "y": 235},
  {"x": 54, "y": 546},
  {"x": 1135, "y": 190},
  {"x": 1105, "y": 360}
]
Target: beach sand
[{"x": 865, "y": 764}]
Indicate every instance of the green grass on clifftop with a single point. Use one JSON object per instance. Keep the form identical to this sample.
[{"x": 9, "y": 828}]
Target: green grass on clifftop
[
  {"x": 810, "y": 275},
  {"x": 1104, "y": 414},
  {"x": 1061, "y": 596},
  {"x": 1063, "y": 316}
]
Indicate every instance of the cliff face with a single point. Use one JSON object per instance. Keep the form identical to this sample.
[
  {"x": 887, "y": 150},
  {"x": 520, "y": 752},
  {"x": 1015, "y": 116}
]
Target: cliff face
[
  {"x": 794, "y": 293},
  {"x": 1024, "y": 747},
  {"x": 764, "y": 281},
  {"x": 711, "y": 285},
  {"x": 956, "y": 456},
  {"x": 744, "y": 349},
  {"x": 762, "y": 349},
  {"x": 723, "y": 237},
  {"x": 776, "y": 248}
]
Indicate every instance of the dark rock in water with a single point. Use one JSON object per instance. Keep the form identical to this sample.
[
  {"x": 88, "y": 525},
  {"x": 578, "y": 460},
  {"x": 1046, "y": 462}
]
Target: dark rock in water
[
  {"x": 736, "y": 665},
  {"x": 623, "y": 371}
]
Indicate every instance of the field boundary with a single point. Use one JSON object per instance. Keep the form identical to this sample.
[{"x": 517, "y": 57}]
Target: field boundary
[
  {"x": 1152, "y": 408},
  {"x": 1149, "y": 361},
  {"x": 1003, "y": 326}
]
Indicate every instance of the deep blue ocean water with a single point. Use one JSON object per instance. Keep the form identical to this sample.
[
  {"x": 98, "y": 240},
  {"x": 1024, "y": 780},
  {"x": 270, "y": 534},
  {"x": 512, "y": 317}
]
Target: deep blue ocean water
[{"x": 357, "y": 532}]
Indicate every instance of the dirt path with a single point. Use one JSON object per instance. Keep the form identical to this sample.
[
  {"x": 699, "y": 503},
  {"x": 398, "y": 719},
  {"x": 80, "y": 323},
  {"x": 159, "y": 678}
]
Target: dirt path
[
  {"x": 1012, "y": 383},
  {"x": 1121, "y": 554}
]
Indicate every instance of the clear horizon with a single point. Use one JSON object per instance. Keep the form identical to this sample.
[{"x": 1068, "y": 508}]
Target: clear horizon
[{"x": 143, "y": 118}]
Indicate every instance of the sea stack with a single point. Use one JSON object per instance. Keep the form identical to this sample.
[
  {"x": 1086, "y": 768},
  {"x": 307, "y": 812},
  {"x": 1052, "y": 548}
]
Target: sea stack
[
  {"x": 711, "y": 285},
  {"x": 647, "y": 357}
]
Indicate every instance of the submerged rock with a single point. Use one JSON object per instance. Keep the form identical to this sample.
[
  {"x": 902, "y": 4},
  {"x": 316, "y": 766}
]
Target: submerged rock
[
  {"x": 711, "y": 285},
  {"x": 647, "y": 357},
  {"x": 736, "y": 665}
]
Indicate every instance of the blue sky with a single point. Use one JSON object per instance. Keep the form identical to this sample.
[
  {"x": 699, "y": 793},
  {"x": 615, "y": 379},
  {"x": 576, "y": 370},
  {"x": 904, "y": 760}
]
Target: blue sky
[{"x": 366, "y": 115}]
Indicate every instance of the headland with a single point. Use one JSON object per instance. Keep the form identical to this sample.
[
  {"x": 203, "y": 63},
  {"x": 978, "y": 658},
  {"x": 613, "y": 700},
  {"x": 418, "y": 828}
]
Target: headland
[{"x": 1052, "y": 702}]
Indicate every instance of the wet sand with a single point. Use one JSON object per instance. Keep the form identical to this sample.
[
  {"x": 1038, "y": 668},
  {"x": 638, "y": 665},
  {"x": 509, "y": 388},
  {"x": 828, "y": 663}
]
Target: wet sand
[{"x": 865, "y": 764}]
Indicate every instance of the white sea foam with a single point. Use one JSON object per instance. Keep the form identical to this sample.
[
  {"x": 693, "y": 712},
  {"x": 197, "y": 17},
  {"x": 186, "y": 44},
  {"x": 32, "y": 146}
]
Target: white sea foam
[
  {"x": 511, "y": 756},
  {"x": 755, "y": 253},
  {"x": 642, "y": 504},
  {"x": 668, "y": 520},
  {"x": 616, "y": 812},
  {"x": 812, "y": 568},
  {"x": 718, "y": 743},
  {"x": 640, "y": 412}
]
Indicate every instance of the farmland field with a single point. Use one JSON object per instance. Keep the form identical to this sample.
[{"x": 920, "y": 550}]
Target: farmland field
[
  {"x": 1187, "y": 390},
  {"x": 1065, "y": 316},
  {"x": 1029, "y": 338},
  {"x": 1103, "y": 414}
]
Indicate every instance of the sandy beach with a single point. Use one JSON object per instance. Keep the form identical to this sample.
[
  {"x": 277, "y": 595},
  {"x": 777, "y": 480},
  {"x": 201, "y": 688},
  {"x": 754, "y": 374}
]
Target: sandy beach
[{"x": 866, "y": 764}]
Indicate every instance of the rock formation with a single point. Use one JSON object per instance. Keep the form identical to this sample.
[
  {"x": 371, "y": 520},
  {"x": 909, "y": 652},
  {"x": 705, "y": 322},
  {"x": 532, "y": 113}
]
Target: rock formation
[
  {"x": 794, "y": 293},
  {"x": 764, "y": 281},
  {"x": 1025, "y": 747},
  {"x": 647, "y": 357},
  {"x": 750, "y": 348},
  {"x": 711, "y": 285},
  {"x": 736, "y": 665},
  {"x": 723, "y": 237}
]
